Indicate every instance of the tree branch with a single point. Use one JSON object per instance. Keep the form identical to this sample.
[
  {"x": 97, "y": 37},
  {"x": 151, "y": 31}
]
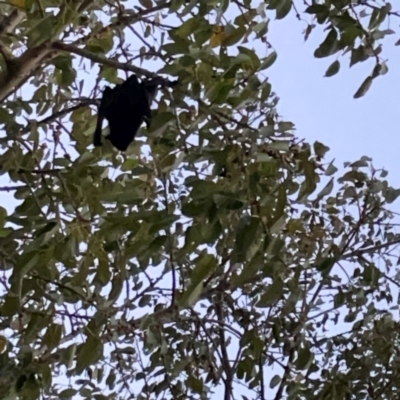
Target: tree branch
[
  {"x": 19, "y": 69},
  {"x": 100, "y": 58},
  {"x": 59, "y": 114},
  {"x": 10, "y": 22},
  {"x": 122, "y": 22}
]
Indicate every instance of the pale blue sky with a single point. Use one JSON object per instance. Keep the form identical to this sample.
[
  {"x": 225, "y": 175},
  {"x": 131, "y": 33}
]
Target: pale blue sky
[{"x": 323, "y": 108}]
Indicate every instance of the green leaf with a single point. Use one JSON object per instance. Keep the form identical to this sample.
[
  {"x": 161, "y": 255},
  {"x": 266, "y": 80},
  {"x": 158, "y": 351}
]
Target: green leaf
[
  {"x": 326, "y": 190},
  {"x": 145, "y": 4},
  {"x": 274, "y": 247},
  {"x": 283, "y": 8},
  {"x": 272, "y": 294},
  {"x": 160, "y": 123},
  {"x": 205, "y": 266},
  {"x": 195, "y": 384},
  {"x": 188, "y": 27},
  {"x": 67, "y": 393},
  {"x": 219, "y": 91},
  {"x": 326, "y": 265},
  {"x": 349, "y": 36},
  {"x": 233, "y": 35},
  {"x": 28, "y": 387},
  {"x": 320, "y": 149},
  {"x": 378, "y": 15},
  {"x": 275, "y": 381},
  {"x": 3, "y": 216},
  {"x": 304, "y": 358},
  {"x": 333, "y": 69},
  {"x": 246, "y": 234},
  {"x": 358, "y": 54},
  {"x": 171, "y": 162},
  {"x": 310, "y": 182},
  {"x": 329, "y": 46},
  {"x": 52, "y": 336},
  {"x": 317, "y": 9},
  {"x": 363, "y": 89},
  {"x": 269, "y": 60},
  {"x": 89, "y": 353},
  {"x": 41, "y": 29},
  {"x": 255, "y": 61}
]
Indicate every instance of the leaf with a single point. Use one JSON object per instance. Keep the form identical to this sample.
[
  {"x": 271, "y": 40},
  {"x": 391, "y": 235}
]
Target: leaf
[
  {"x": 326, "y": 190},
  {"x": 89, "y": 353},
  {"x": 378, "y": 15},
  {"x": 331, "y": 169},
  {"x": 272, "y": 294},
  {"x": 171, "y": 162},
  {"x": 255, "y": 61},
  {"x": 28, "y": 387},
  {"x": 246, "y": 234},
  {"x": 164, "y": 222},
  {"x": 363, "y": 89},
  {"x": 42, "y": 30},
  {"x": 188, "y": 27},
  {"x": 307, "y": 32},
  {"x": 269, "y": 60},
  {"x": 249, "y": 271},
  {"x": 160, "y": 123},
  {"x": 349, "y": 36},
  {"x": 304, "y": 358},
  {"x": 333, "y": 69},
  {"x": 358, "y": 54},
  {"x": 317, "y": 9},
  {"x": 320, "y": 149},
  {"x": 329, "y": 46},
  {"x": 276, "y": 379},
  {"x": 3, "y": 343},
  {"x": 233, "y": 35},
  {"x": 274, "y": 247},
  {"x": 52, "y": 336},
  {"x": 175, "y": 5},
  {"x": 3, "y": 216},
  {"x": 146, "y": 4},
  {"x": 19, "y": 3},
  {"x": 310, "y": 180},
  {"x": 67, "y": 393},
  {"x": 326, "y": 265},
  {"x": 205, "y": 265},
  {"x": 218, "y": 36},
  {"x": 380, "y": 69},
  {"x": 196, "y": 384},
  {"x": 190, "y": 4},
  {"x": 283, "y": 8}
]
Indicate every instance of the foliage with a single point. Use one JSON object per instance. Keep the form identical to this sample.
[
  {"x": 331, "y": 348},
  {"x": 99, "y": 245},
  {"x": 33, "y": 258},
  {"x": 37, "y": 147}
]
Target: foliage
[{"x": 219, "y": 252}]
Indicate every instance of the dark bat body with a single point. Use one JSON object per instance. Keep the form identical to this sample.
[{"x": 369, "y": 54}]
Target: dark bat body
[{"x": 126, "y": 107}]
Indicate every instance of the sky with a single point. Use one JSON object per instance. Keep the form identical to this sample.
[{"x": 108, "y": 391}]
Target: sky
[{"x": 324, "y": 109}]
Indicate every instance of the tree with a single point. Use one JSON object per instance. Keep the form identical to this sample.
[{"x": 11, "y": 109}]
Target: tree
[{"x": 213, "y": 257}]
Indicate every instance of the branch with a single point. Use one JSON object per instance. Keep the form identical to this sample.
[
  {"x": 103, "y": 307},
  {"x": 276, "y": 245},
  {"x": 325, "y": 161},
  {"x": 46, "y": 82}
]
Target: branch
[
  {"x": 10, "y": 22},
  {"x": 19, "y": 69},
  {"x": 9, "y": 188},
  {"x": 59, "y": 114},
  {"x": 371, "y": 249},
  {"x": 100, "y": 58},
  {"x": 7, "y": 25},
  {"x": 122, "y": 22}
]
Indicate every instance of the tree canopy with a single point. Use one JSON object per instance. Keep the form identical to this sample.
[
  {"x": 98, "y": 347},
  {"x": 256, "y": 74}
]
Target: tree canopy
[{"x": 221, "y": 255}]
